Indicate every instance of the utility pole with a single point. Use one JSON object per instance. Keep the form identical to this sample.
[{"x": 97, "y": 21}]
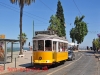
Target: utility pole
[
  {"x": 33, "y": 28},
  {"x": 33, "y": 32}
]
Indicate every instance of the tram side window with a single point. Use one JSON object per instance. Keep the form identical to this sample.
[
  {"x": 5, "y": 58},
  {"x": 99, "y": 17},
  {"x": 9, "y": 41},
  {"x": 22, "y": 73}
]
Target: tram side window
[
  {"x": 35, "y": 45},
  {"x": 66, "y": 46},
  {"x": 41, "y": 45},
  {"x": 48, "y": 46},
  {"x": 54, "y": 45},
  {"x": 61, "y": 47}
]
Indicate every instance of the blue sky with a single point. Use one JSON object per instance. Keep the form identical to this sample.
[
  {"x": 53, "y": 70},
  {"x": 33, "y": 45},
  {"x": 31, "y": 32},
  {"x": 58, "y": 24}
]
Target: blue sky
[{"x": 41, "y": 13}]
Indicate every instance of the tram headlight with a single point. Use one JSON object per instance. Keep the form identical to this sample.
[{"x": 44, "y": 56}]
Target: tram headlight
[{"x": 40, "y": 58}]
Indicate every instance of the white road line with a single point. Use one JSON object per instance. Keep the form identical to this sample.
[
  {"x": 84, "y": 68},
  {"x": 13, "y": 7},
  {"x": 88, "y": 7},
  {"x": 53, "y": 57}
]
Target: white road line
[{"x": 64, "y": 66}]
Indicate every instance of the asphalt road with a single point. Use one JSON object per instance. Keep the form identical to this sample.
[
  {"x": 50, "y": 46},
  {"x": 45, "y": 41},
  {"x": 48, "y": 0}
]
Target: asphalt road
[{"x": 84, "y": 64}]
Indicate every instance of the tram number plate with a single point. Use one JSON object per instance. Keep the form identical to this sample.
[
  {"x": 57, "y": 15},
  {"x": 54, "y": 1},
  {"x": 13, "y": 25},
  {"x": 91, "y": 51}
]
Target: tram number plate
[{"x": 40, "y": 61}]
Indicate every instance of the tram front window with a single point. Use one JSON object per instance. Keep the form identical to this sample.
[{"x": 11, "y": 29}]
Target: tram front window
[
  {"x": 35, "y": 45},
  {"x": 38, "y": 45},
  {"x": 48, "y": 46},
  {"x": 41, "y": 45}
]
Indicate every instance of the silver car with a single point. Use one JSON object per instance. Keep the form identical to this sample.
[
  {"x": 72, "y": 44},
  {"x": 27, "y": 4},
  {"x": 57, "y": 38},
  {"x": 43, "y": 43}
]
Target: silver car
[{"x": 71, "y": 55}]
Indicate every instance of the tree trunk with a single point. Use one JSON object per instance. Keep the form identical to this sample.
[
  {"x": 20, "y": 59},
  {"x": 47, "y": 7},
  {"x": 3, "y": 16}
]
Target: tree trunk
[{"x": 21, "y": 14}]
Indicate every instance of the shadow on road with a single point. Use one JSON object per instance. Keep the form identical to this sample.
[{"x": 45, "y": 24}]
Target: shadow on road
[
  {"x": 39, "y": 67},
  {"x": 97, "y": 54},
  {"x": 90, "y": 52},
  {"x": 25, "y": 65}
]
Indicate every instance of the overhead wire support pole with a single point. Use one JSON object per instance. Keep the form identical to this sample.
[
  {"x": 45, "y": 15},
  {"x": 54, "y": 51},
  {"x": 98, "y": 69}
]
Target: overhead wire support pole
[
  {"x": 33, "y": 28},
  {"x": 33, "y": 44},
  {"x": 33, "y": 32}
]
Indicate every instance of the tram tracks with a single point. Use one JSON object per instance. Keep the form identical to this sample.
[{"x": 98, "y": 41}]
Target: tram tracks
[
  {"x": 64, "y": 66},
  {"x": 81, "y": 69},
  {"x": 73, "y": 68},
  {"x": 49, "y": 71}
]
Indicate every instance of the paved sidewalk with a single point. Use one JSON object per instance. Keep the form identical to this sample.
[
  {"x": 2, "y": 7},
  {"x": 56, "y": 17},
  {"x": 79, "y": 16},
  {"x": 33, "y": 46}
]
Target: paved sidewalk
[
  {"x": 75, "y": 51},
  {"x": 97, "y": 55},
  {"x": 98, "y": 67},
  {"x": 20, "y": 62}
]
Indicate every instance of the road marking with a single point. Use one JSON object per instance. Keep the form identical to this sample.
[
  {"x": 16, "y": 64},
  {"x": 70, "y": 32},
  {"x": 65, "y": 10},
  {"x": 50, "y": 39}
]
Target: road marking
[{"x": 64, "y": 66}]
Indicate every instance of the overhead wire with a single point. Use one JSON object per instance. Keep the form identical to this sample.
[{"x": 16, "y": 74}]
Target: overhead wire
[
  {"x": 24, "y": 11},
  {"x": 46, "y": 6},
  {"x": 10, "y": 7},
  {"x": 77, "y": 7}
]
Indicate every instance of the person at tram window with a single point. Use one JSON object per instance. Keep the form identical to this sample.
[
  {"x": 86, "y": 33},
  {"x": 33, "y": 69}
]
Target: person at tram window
[
  {"x": 60, "y": 49},
  {"x": 63, "y": 49}
]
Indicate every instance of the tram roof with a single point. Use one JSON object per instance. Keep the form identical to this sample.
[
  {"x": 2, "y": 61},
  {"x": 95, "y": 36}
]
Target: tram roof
[{"x": 49, "y": 37}]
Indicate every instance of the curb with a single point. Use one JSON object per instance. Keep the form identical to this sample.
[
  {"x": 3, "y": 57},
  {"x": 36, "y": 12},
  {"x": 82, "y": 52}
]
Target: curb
[
  {"x": 7, "y": 71},
  {"x": 75, "y": 51},
  {"x": 98, "y": 56},
  {"x": 83, "y": 50}
]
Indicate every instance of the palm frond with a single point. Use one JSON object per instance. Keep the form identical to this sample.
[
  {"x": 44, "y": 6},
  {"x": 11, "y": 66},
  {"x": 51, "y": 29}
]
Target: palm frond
[{"x": 13, "y": 1}]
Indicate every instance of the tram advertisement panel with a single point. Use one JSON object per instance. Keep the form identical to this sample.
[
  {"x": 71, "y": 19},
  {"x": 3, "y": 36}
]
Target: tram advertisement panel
[{"x": 2, "y": 51}]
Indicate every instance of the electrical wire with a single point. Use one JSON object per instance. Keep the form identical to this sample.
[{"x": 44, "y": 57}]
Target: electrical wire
[
  {"x": 46, "y": 6},
  {"x": 6, "y": 6},
  {"x": 24, "y": 11},
  {"x": 77, "y": 7}
]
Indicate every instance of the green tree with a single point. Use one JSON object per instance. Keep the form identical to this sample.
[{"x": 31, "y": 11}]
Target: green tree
[
  {"x": 24, "y": 39},
  {"x": 55, "y": 25},
  {"x": 96, "y": 43},
  {"x": 21, "y": 5},
  {"x": 80, "y": 30},
  {"x": 72, "y": 34},
  {"x": 93, "y": 45},
  {"x": 60, "y": 16}
]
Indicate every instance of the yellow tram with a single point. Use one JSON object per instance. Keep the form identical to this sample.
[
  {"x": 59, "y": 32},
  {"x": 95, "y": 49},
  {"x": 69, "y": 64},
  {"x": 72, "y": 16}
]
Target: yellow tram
[{"x": 48, "y": 48}]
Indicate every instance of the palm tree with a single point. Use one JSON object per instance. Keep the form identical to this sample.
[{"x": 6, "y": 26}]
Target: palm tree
[
  {"x": 21, "y": 4},
  {"x": 24, "y": 39}
]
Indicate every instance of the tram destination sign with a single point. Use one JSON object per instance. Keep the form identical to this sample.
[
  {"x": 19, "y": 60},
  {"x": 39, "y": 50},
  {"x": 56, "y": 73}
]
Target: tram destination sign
[{"x": 44, "y": 32}]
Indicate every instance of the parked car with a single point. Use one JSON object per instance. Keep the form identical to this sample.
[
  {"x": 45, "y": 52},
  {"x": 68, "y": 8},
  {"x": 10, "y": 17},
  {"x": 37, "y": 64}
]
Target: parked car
[{"x": 71, "y": 55}]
